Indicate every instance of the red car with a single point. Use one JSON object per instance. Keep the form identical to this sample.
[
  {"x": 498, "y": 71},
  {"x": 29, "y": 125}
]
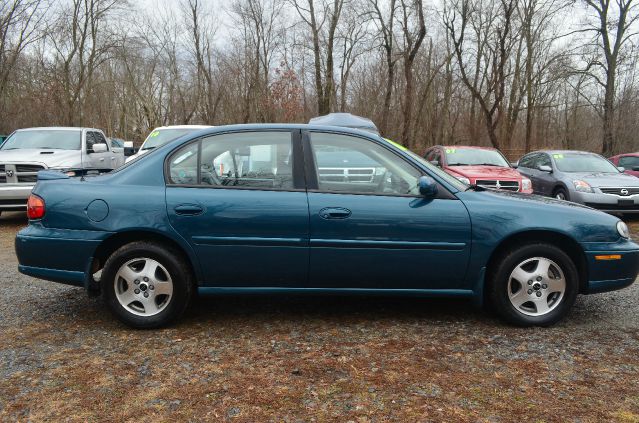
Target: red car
[
  {"x": 482, "y": 166},
  {"x": 630, "y": 161}
]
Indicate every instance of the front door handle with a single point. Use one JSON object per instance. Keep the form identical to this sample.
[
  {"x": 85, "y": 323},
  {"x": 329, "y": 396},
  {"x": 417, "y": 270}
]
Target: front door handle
[
  {"x": 334, "y": 213},
  {"x": 188, "y": 209}
]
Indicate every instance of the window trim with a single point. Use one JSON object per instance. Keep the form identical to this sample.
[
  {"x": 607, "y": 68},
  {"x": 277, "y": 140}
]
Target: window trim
[
  {"x": 296, "y": 159},
  {"x": 311, "y": 172}
]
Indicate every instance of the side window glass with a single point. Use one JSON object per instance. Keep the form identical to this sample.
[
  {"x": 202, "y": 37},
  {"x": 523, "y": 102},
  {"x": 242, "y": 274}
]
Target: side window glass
[
  {"x": 438, "y": 158},
  {"x": 544, "y": 160},
  {"x": 90, "y": 140},
  {"x": 356, "y": 165},
  {"x": 528, "y": 161},
  {"x": 183, "y": 165},
  {"x": 99, "y": 139},
  {"x": 248, "y": 159},
  {"x": 629, "y": 162}
]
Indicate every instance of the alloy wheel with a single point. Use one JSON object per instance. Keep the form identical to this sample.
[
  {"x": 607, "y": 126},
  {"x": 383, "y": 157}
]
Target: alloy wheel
[
  {"x": 536, "y": 286},
  {"x": 143, "y": 286}
]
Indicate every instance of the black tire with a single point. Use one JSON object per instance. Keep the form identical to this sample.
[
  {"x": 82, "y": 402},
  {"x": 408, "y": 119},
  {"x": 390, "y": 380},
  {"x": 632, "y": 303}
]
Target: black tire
[
  {"x": 177, "y": 268},
  {"x": 499, "y": 276},
  {"x": 561, "y": 192}
]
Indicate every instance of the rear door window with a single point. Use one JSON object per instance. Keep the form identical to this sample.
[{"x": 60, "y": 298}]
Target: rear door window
[{"x": 237, "y": 160}]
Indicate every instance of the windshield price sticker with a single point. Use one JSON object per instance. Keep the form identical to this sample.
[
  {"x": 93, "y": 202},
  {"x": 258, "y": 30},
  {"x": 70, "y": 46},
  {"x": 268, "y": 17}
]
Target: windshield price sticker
[
  {"x": 155, "y": 133},
  {"x": 558, "y": 156},
  {"x": 450, "y": 150}
]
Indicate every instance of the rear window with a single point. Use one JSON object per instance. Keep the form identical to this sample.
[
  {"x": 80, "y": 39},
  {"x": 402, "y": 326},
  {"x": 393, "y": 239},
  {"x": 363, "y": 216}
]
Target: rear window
[{"x": 44, "y": 139}]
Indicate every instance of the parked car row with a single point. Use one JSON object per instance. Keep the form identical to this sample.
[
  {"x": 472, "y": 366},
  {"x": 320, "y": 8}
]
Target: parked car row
[{"x": 581, "y": 177}]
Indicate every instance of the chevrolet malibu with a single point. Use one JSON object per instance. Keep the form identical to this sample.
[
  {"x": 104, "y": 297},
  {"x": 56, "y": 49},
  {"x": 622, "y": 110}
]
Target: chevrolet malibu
[{"x": 249, "y": 209}]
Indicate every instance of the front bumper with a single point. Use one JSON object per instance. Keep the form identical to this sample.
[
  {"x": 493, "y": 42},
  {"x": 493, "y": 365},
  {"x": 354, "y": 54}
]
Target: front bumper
[
  {"x": 58, "y": 255},
  {"x": 13, "y": 197},
  {"x": 611, "y": 274},
  {"x": 607, "y": 202}
]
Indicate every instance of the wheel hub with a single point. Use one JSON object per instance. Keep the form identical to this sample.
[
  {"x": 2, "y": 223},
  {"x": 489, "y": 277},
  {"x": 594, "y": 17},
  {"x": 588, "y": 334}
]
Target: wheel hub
[
  {"x": 143, "y": 286},
  {"x": 536, "y": 286}
]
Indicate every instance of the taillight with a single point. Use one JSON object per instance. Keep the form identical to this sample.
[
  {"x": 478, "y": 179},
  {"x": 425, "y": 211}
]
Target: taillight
[{"x": 35, "y": 207}]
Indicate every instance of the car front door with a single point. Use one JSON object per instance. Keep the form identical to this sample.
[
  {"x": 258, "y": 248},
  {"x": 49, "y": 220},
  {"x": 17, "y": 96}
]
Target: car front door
[
  {"x": 527, "y": 166},
  {"x": 239, "y": 199},
  {"x": 546, "y": 180},
  {"x": 370, "y": 228},
  {"x": 100, "y": 161}
]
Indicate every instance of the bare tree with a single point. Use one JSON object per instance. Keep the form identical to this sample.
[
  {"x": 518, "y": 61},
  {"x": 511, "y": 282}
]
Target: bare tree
[
  {"x": 323, "y": 26},
  {"x": 385, "y": 24},
  {"x": 496, "y": 33},
  {"x": 613, "y": 20}
]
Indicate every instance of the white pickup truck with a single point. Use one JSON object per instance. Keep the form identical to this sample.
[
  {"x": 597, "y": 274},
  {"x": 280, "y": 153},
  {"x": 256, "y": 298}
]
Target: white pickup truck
[{"x": 75, "y": 151}]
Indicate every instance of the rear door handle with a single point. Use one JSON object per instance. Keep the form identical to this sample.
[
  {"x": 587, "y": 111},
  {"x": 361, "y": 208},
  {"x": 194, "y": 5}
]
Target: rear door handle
[
  {"x": 188, "y": 209},
  {"x": 334, "y": 213}
]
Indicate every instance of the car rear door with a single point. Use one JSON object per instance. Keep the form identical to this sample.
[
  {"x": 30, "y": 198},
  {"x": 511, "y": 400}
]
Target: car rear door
[
  {"x": 369, "y": 228},
  {"x": 239, "y": 199}
]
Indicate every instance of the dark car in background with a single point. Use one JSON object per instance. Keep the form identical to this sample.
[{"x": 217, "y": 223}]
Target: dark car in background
[
  {"x": 629, "y": 161},
  {"x": 482, "y": 166},
  {"x": 582, "y": 177}
]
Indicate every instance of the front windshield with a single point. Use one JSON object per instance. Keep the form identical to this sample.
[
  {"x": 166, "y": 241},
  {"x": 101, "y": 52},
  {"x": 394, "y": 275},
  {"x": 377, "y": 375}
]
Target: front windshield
[
  {"x": 440, "y": 173},
  {"x": 58, "y": 139},
  {"x": 159, "y": 137},
  {"x": 474, "y": 157},
  {"x": 571, "y": 162}
]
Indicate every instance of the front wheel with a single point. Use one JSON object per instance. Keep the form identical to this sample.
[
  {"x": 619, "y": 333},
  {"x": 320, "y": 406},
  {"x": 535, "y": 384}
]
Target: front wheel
[
  {"x": 534, "y": 285},
  {"x": 561, "y": 194},
  {"x": 146, "y": 285}
]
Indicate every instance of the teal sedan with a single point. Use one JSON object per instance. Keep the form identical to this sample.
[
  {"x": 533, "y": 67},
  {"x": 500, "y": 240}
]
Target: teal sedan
[{"x": 302, "y": 209}]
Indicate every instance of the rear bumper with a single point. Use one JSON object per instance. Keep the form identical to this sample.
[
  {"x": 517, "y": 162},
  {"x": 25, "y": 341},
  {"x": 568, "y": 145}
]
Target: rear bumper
[
  {"x": 14, "y": 197},
  {"x": 60, "y": 255}
]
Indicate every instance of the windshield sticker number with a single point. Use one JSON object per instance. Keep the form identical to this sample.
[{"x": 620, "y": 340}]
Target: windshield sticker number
[
  {"x": 450, "y": 150},
  {"x": 154, "y": 134},
  {"x": 558, "y": 156}
]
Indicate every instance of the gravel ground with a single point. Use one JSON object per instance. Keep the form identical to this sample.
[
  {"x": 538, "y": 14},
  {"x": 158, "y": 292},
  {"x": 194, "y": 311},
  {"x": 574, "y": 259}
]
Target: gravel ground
[{"x": 63, "y": 357}]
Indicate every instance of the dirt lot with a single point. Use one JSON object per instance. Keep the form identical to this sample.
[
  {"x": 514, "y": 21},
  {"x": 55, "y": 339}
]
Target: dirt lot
[{"x": 62, "y": 356}]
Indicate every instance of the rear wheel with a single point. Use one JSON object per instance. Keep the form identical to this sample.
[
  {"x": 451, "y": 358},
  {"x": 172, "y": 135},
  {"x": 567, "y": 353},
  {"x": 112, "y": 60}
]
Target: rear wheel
[
  {"x": 146, "y": 285},
  {"x": 534, "y": 285}
]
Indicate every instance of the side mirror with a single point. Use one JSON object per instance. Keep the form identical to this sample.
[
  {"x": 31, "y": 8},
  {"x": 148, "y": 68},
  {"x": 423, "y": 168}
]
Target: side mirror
[
  {"x": 99, "y": 148},
  {"x": 635, "y": 168},
  {"x": 514, "y": 165},
  {"x": 545, "y": 168},
  {"x": 621, "y": 169},
  {"x": 427, "y": 186},
  {"x": 128, "y": 148},
  {"x": 435, "y": 162}
]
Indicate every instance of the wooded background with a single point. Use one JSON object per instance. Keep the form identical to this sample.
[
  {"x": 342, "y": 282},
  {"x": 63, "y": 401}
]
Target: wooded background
[{"x": 516, "y": 74}]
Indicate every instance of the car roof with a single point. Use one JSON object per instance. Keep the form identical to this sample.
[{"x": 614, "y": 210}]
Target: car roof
[
  {"x": 286, "y": 127},
  {"x": 566, "y": 152},
  {"x": 183, "y": 127},
  {"x": 627, "y": 154},
  {"x": 58, "y": 128},
  {"x": 471, "y": 147}
]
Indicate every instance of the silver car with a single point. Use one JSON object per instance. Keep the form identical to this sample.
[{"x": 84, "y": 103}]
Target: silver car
[
  {"x": 74, "y": 151},
  {"x": 581, "y": 177}
]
